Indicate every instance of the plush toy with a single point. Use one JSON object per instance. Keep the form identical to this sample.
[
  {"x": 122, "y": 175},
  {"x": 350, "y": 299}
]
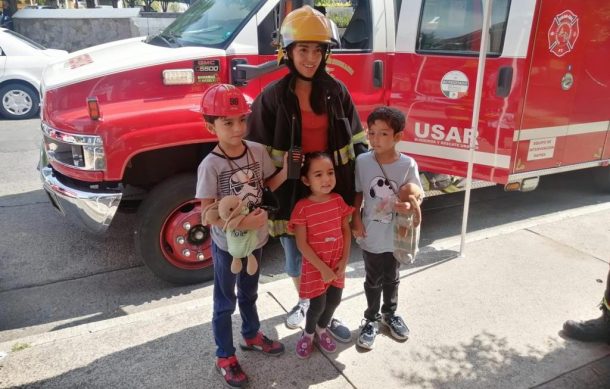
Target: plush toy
[
  {"x": 413, "y": 194},
  {"x": 406, "y": 226},
  {"x": 241, "y": 243}
]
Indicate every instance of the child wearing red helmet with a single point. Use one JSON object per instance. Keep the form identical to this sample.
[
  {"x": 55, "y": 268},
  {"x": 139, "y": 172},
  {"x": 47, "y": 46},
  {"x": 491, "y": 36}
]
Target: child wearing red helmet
[{"x": 241, "y": 168}]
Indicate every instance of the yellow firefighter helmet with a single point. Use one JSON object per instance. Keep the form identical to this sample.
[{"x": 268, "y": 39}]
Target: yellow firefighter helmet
[{"x": 305, "y": 24}]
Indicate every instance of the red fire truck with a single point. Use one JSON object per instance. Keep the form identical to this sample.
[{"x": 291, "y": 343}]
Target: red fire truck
[{"x": 120, "y": 121}]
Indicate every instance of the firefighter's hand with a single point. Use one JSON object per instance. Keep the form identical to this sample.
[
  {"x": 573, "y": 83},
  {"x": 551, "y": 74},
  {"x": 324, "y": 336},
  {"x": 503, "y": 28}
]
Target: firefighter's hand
[{"x": 254, "y": 220}]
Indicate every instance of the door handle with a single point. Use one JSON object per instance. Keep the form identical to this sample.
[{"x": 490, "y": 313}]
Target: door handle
[
  {"x": 378, "y": 74},
  {"x": 505, "y": 80}
]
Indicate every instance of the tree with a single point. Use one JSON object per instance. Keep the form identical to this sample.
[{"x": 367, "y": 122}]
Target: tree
[
  {"x": 148, "y": 6},
  {"x": 165, "y": 4}
]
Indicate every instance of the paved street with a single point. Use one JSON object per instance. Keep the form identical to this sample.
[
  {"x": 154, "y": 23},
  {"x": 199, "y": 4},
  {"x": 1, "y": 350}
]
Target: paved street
[{"x": 533, "y": 260}]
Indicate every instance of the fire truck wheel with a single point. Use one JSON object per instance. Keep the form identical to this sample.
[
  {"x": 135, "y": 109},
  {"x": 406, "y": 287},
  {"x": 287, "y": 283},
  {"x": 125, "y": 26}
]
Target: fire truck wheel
[
  {"x": 18, "y": 101},
  {"x": 601, "y": 176},
  {"x": 169, "y": 236}
]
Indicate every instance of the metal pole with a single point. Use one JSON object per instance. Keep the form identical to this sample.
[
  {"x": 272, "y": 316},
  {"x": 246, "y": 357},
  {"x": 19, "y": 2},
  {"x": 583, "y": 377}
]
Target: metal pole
[{"x": 475, "y": 117}]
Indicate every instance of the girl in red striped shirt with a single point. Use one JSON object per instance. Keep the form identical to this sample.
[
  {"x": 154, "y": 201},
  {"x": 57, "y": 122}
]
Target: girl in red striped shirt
[{"x": 320, "y": 223}]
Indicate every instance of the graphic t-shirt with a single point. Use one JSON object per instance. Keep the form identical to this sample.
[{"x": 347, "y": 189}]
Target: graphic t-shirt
[
  {"x": 243, "y": 177},
  {"x": 378, "y": 197}
]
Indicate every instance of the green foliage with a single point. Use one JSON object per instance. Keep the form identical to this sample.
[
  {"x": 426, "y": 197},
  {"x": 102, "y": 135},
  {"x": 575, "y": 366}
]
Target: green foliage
[
  {"x": 333, "y": 3},
  {"x": 340, "y": 20}
]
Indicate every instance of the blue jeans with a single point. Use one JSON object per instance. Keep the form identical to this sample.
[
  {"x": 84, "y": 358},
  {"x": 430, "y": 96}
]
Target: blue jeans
[
  {"x": 293, "y": 256},
  {"x": 225, "y": 299}
]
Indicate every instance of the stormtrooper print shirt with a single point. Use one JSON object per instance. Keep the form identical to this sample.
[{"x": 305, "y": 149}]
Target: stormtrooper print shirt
[
  {"x": 378, "y": 197},
  {"x": 243, "y": 177}
]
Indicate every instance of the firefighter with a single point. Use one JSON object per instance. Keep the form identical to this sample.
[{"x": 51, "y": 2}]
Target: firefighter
[
  {"x": 320, "y": 112},
  {"x": 593, "y": 330}
]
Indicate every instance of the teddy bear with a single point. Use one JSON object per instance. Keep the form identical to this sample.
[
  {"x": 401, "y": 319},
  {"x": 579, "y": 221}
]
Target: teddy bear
[{"x": 241, "y": 243}]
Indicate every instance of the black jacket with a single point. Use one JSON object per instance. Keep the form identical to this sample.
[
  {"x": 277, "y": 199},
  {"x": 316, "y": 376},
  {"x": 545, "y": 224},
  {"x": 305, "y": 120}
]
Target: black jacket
[{"x": 273, "y": 113}]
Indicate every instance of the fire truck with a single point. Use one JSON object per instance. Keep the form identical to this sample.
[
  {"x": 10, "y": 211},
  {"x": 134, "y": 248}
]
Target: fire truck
[{"x": 121, "y": 122}]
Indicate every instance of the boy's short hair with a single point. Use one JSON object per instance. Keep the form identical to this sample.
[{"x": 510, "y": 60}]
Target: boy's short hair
[
  {"x": 393, "y": 117},
  {"x": 211, "y": 119}
]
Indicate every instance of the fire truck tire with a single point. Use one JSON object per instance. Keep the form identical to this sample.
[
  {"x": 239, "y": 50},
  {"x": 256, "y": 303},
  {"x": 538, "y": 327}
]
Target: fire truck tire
[
  {"x": 19, "y": 101},
  {"x": 601, "y": 175},
  {"x": 169, "y": 201}
]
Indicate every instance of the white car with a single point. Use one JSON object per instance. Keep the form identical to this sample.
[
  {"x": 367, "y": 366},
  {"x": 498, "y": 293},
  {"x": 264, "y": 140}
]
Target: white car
[{"x": 21, "y": 64}]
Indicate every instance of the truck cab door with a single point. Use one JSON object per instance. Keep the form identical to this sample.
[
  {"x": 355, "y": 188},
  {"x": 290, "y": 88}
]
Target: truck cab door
[
  {"x": 362, "y": 61},
  {"x": 434, "y": 77}
]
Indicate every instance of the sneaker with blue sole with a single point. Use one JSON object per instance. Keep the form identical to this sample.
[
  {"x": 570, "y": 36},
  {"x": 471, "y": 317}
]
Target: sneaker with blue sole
[
  {"x": 339, "y": 331},
  {"x": 398, "y": 328},
  {"x": 368, "y": 332}
]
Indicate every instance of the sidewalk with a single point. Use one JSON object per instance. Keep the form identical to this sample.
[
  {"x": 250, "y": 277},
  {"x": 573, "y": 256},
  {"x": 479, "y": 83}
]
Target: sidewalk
[{"x": 490, "y": 320}]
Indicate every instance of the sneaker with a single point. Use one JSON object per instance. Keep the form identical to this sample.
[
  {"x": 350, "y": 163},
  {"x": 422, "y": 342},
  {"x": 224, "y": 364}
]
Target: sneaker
[
  {"x": 398, "y": 328},
  {"x": 231, "y": 371},
  {"x": 304, "y": 346},
  {"x": 339, "y": 331},
  {"x": 368, "y": 332},
  {"x": 263, "y": 344},
  {"x": 295, "y": 317},
  {"x": 326, "y": 343},
  {"x": 594, "y": 330}
]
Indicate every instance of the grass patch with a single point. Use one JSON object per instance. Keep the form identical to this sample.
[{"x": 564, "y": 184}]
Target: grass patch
[{"x": 19, "y": 346}]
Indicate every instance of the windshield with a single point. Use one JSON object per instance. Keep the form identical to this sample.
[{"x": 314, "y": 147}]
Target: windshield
[{"x": 211, "y": 23}]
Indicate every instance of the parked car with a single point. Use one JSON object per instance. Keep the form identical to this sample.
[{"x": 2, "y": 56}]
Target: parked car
[{"x": 21, "y": 64}]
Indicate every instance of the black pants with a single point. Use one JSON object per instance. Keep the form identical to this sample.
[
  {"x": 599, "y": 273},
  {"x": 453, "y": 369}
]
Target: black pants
[
  {"x": 381, "y": 276},
  {"x": 322, "y": 308}
]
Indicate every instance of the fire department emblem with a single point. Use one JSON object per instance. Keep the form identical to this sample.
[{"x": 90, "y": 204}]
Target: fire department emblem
[
  {"x": 81, "y": 60},
  {"x": 563, "y": 33}
]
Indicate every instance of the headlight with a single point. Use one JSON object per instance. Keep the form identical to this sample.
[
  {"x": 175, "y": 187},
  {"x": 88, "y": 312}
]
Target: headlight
[{"x": 85, "y": 152}]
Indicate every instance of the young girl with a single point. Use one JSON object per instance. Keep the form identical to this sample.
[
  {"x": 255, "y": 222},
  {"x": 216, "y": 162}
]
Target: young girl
[{"x": 320, "y": 223}]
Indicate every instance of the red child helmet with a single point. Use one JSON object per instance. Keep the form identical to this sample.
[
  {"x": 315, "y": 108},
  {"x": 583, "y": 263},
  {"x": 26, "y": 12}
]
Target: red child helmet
[{"x": 224, "y": 100}]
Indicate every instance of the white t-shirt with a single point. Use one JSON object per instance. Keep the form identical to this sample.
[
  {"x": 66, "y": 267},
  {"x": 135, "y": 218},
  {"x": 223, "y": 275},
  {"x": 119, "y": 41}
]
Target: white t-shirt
[{"x": 378, "y": 197}]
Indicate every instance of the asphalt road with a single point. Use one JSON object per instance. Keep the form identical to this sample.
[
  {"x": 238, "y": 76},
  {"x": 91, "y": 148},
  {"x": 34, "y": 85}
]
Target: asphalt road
[{"x": 54, "y": 275}]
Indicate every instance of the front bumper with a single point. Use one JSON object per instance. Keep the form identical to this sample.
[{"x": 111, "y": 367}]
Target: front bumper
[{"x": 91, "y": 209}]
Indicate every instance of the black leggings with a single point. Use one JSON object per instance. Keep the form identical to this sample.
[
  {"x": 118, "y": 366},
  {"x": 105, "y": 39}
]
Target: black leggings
[{"x": 322, "y": 308}]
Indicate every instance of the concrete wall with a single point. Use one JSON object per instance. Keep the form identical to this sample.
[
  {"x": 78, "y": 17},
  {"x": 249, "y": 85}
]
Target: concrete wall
[{"x": 75, "y": 29}]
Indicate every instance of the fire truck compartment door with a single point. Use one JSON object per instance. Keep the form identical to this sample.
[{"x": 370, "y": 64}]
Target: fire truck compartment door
[{"x": 565, "y": 116}]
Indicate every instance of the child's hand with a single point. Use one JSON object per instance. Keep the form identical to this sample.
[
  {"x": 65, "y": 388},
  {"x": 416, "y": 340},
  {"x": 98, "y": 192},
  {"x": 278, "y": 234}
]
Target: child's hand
[
  {"x": 358, "y": 230},
  {"x": 254, "y": 220},
  {"x": 402, "y": 207},
  {"x": 328, "y": 275},
  {"x": 340, "y": 269}
]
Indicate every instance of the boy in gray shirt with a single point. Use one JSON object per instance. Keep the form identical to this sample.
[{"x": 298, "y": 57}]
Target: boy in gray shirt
[
  {"x": 240, "y": 168},
  {"x": 380, "y": 174}
]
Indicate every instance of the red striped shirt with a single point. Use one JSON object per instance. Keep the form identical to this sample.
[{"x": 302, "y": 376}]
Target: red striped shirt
[{"x": 325, "y": 236}]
